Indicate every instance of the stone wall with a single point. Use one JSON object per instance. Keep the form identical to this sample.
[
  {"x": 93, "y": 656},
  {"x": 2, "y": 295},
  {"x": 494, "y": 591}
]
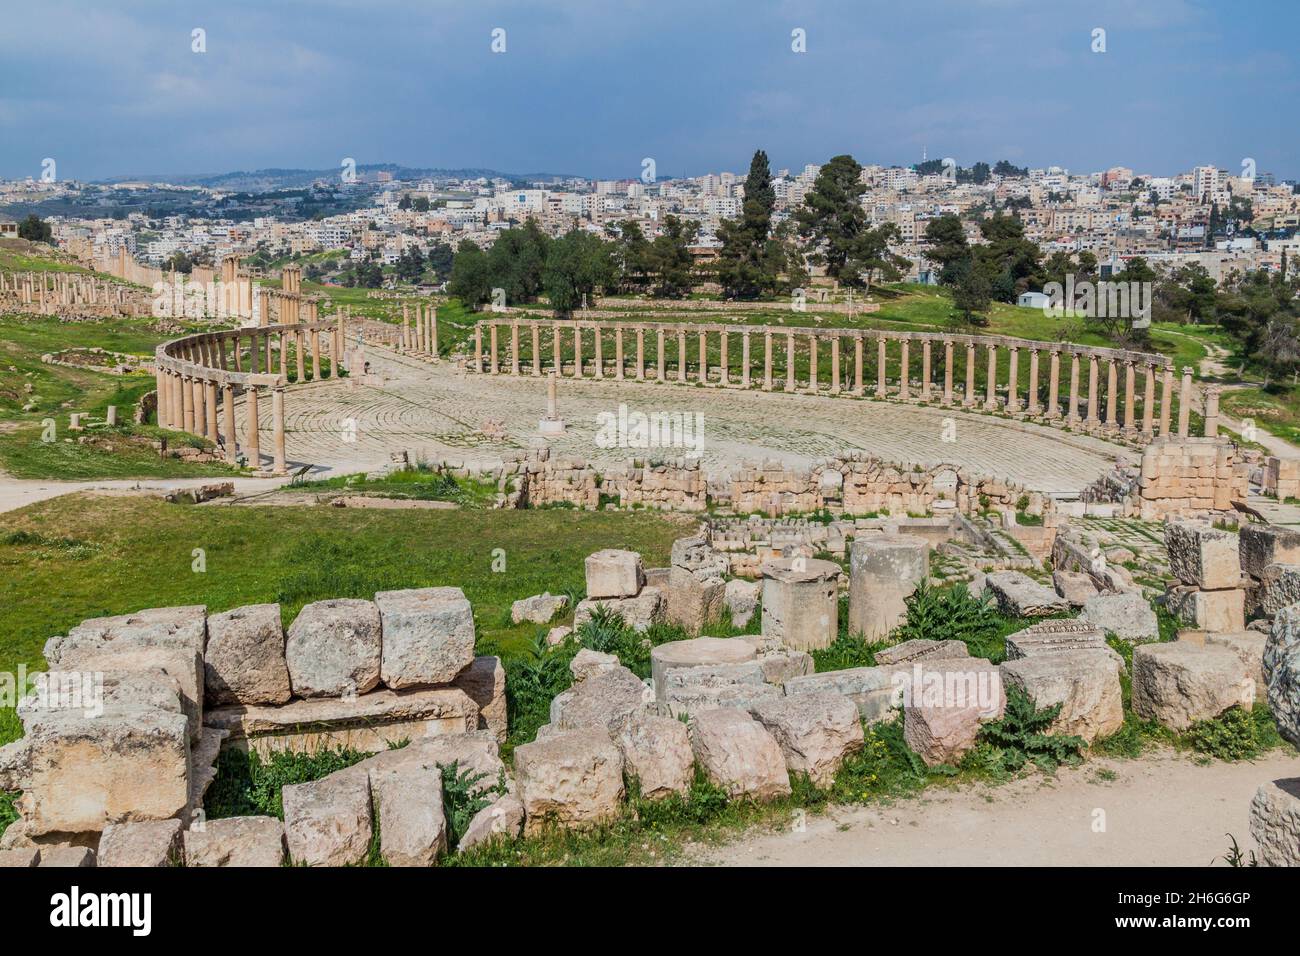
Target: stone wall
[{"x": 1190, "y": 476}]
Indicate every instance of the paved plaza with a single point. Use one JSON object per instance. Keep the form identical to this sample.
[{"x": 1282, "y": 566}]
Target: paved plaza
[{"x": 434, "y": 412}]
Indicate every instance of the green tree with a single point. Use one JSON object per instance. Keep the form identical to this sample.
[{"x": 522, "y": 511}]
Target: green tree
[
  {"x": 35, "y": 229},
  {"x": 577, "y": 264},
  {"x": 832, "y": 217},
  {"x": 516, "y": 261},
  {"x": 470, "y": 281},
  {"x": 744, "y": 262},
  {"x": 672, "y": 267},
  {"x": 971, "y": 295},
  {"x": 946, "y": 240}
]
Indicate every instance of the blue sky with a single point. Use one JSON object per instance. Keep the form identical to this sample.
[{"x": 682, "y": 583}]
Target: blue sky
[{"x": 591, "y": 87}]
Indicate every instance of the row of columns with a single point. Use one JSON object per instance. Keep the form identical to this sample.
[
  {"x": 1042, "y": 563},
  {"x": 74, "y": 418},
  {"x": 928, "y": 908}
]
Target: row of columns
[
  {"x": 996, "y": 397},
  {"x": 421, "y": 336},
  {"x": 52, "y": 290}
]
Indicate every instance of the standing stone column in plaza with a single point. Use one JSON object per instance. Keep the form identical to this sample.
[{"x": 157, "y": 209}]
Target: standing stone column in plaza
[
  {"x": 1130, "y": 381},
  {"x": 812, "y": 364},
  {"x": 1211, "y": 411},
  {"x": 557, "y": 345},
  {"x": 315, "y": 355},
  {"x": 200, "y": 419},
  {"x": 1148, "y": 399},
  {"x": 1072, "y": 414},
  {"x": 1112, "y": 394},
  {"x": 801, "y": 602},
  {"x": 278, "y": 465},
  {"x": 884, "y": 570},
  {"x": 1053, "y": 385},
  {"x": 925, "y": 370},
  {"x": 252, "y": 441},
  {"x": 433, "y": 332},
  {"x": 970, "y": 374},
  {"x": 210, "y": 407},
  {"x": 160, "y": 389},
  {"x": 947, "y": 371},
  {"x": 640, "y": 354},
  {"x": 535, "y": 332},
  {"x": 1013, "y": 376},
  {"x": 1092, "y": 390},
  {"x": 514, "y": 348},
  {"x": 228, "y": 421},
  {"x": 681, "y": 355},
  {"x": 703, "y": 375},
  {"x": 618, "y": 352},
  {"x": 661, "y": 357},
  {"x": 767, "y": 361},
  {"x": 904, "y": 371},
  {"x": 991, "y": 382},
  {"x": 744, "y": 360},
  {"x": 789, "y": 361},
  {"x": 478, "y": 348},
  {"x": 1185, "y": 403},
  {"x": 405, "y": 345},
  {"x": 723, "y": 361},
  {"x": 493, "y": 366},
  {"x": 1166, "y": 400},
  {"x": 835, "y": 365},
  {"x": 577, "y": 351},
  {"x": 859, "y": 383},
  {"x": 552, "y": 424},
  {"x": 882, "y": 360}
]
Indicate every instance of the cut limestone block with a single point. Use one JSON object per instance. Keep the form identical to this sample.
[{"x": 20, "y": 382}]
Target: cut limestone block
[
  {"x": 1202, "y": 555},
  {"x": 1275, "y": 822},
  {"x": 870, "y": 689},
  {"x": 22, "y": 857},
  {"x": 739, "y": 754},
  {"x": 1085, "y": 683},
  {"x": 815, "y": 732},
  {"x": 695, "y": 598},
  {"x": 149, "y": 843},
  {"x": 1018, "y": 595},
  {"x": 475, "y": 754},
  {"x": 884, "y": 570},
  {"x": 614, "y": 574},
  {"x": 689, "y": 690},
  {"x": 696, "y": 651},
  {"x": 1249, "y": 648},
  {"x": 1075, "y": 586},
  {"x": 539, "y": 609},
  {"x": 801, "y": 602},
  {"x": 637, "y": 612},
  {"x": 587, "y": 663},
  {"x": 657, "y": 753},
  {"x": 921, "y": 649},
  {"x": 1279, "y": 587},
  {"x": 780, "y": 666},
  {"x": 428, "y": 636},
  {"x": 327, "y": 821},
  {"x": 606, "y": 700},
  {"x": 1180, "y": 683},
  {"x": 1282, "y": 672},
  {"x": 1223, "y": 611},
  {"x": 408, "y": 804},
  {"x": 67, "y": 856},
  {"x": 571, "y": 779},
  {"x": 941, "y": 735},
  {"x": 1260, "y": 545},
  {"x": 484, "y": 681},
  {"x": 1128, "y": 615},
  {"x": 333, "y": 649},
  {"x": 370, "y": 723},
  {"x": 742, "y": 601},
  {"x": 502, "y": 819},
  {"x": 244, "y": 662},
  {"x": 236, "y": 841}
]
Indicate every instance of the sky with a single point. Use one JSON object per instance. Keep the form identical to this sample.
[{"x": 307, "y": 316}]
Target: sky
[{"x": 594, "y": 87}]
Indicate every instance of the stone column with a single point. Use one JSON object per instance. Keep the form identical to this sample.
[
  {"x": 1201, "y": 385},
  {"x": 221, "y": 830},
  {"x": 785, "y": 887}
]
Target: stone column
[
  {"x": 703, "y": 375},
  {"x": 478, "y": 348},
  {"x": 1130, "y": 382},
  {"x": 618, "y": 352},
  {"x": 1211, "y": 411},
  {"x": 859, "y": 383},
  {"x": 1148, "y": 399},
  {"x": 252, "y": 442},
  {"x": 514, "y": 347},
  {"x": 1112, "y": 394},
  {"x": 493, "y": 366},
  {"x": 661, "y": 359},
  {"x": 925, "y": 370},
  {"x": 315, "y": 355},
  {"x": 991, "y": 382},
  {"x": 228, "y": 420},
  {"x": 789, "y": 362},
  {"x": 1185, "y": 403},
  {"x": 406, "y": 328},
  {"x": 536, "y": 337},
  {"x": 681, "y": 355},
  {"x": 187, "y": 403},
  {"x": 801, "y": 602},
  {"x": 1092, "y": 390},
  {"x": 812, "y": 363},
  {"x": 744, "y": 360},
  {"x": 557, "y": 348},
  {"x": 433, "y": 331},
  {"x": 835, "y": 365},
  {"x": 767, "y": 361},
  {"x": 724, "y": 361},
  {"x": 278, "y": 465},
  {"x": 1032, "y": 401},
  {"x": 884, "y": 570},
  {"x": 1166, "y": 400},
  {"x": 640, "y": 354},
  {"x": 970, "y": 374},
  {"x": 160, "y": 389},
  {"x": 1072, "y": 415},
  {"x": 882, "y": 360},
  {"x": 577, "y": 351},
  {"x": 210, "y": 407},
  {"x": 904, "y": 371},
  {"x": 200, "y": 414},
  {"x": 947, "y": 372},
  {"x": 1013, "y": 375}
]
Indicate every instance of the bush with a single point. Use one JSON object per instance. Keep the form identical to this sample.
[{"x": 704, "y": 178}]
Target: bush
[
  {"x": 943, "y": 614},
  {"x": 1236, "y": 734},
  {"x": 1021, "y": 737},
  {"x": 847, "y": 650},
  {"x": 245, "y": 785},
  {"x": 462, "y": 798}
]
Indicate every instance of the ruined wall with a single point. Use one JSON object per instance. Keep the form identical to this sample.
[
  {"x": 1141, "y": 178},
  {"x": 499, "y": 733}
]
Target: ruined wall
[{"x": 1189, "y": 476}]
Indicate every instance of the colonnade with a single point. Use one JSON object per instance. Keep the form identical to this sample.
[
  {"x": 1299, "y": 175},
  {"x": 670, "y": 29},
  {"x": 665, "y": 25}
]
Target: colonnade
[
  {"x": 47, "y": 292},
  {"x": 919, "y": 367}
]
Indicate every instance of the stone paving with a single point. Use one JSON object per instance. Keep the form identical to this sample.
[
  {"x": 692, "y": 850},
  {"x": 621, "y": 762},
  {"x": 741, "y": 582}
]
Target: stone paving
[{"x": 433, "y": 411}]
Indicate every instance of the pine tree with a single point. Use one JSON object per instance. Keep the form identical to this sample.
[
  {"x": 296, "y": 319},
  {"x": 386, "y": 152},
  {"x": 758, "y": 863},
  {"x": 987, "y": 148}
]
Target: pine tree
[{"x": 743, "y": 269}]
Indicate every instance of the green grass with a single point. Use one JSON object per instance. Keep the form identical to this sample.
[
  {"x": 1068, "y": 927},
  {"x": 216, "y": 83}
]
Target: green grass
[{"x": 418, "y": 483}]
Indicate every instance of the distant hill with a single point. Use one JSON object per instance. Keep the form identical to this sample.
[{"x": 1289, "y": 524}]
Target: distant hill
[{"x": 263, "y": 180}]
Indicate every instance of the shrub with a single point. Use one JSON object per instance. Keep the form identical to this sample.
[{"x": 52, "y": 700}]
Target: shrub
[
  {"x": 462, "y": 797},
  {"x": 245, "y": 785},
  {"x": 942, "y": 614},
  {"x": 1236, "y": 734},
  {"x": 847, "y": 650},
  {"x": 1021, "y": 736}
]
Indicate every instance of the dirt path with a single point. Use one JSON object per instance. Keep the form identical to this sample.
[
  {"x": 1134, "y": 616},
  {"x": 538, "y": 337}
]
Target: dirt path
[
  {"x": 19, "y": 492},
  {"x": 1163, "y": 810}
]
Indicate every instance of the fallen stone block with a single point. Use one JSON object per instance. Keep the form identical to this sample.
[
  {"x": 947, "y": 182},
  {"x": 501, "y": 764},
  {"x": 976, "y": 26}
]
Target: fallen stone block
[
  {"x": 657, "y": 753},
  {"x": 1275, "y": 822},
  {"x": 884, "y": 571},
  {"x": 870, "y": 689},
  {"x": 637, "y": 612},
  {"x": 1279, "y": 587},
  {"x": 1249, "y": 648},
  {"x": 21, "y": 858},
  {"x": 244, "y": 662},
  {"x": 1179, "y": 683},
  {"x": 695, "y": 599},
  {"x": 428, "y": 636},
  {"x": 327, "y": 821},
  {"x": 484, "y": 682},
  {"x": 587, "y": 663},
  {"x": 1282, "y": 672},
  {"x": 149, "y": 843},
  {"x": 1202, "y": 555},
  {"x": 816, "y": 732},
  {"x": 742, "y": 601},
  {"x": 780, "y": 666},
  {"x": 370, "y": 723},
  {"x": 607, "y": 700},
  {"x": 690, "y": 690},
  {"x": 1018, "y": 595},
  {"x": 738, "y": 754},
  {"x": 539, "y": 609},
  {"x": 1260, "y": 545},
  {"x": 1084, "y": 682},
  {"x": 572, "y": 779},
  {"x": 473, "y": 755},
  {"x": 1075, "y": 586},
  {"x": 1223, "y": 611},
  {"x": 502, "y": 819},
  {"x": 942, "y": 735},
  {"x": 1128, "y": 616},
  {"x": 408, "y": 804},
  {"x": 694, "y": 652},
  {"x": 236, "y": 841},
  {"x": 614, "y": 574},
  {"x": 66, "y": 856},
  {"x": 333, "y": 649},
  {"x": 921, "y": 649}
]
